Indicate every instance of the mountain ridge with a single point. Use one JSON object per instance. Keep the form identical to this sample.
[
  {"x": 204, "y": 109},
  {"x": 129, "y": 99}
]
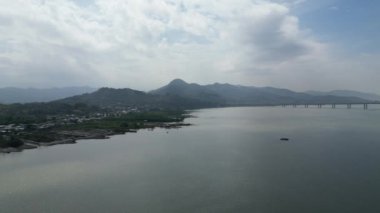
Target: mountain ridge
[
  {"x": 180, "y": 94},
  {"x": 9, "y": 95},
  {"x": 236, "y": 95},
  {"x": 347, "y": 93}
]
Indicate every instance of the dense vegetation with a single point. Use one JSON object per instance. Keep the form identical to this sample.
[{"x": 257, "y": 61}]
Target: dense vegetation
[
  {"x": 109, "y": 125},
  {"x": 39, "y": 112},
  {"x": 10, "y": 141},
  {"x": 134, "y": 120}
]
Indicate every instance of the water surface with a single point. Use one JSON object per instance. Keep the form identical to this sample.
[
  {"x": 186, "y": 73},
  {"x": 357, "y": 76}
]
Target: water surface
[{"x": 230, "y": 160}]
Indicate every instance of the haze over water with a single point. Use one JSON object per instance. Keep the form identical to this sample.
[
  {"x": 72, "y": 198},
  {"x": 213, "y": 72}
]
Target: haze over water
[{"x": 230, "y": 160}]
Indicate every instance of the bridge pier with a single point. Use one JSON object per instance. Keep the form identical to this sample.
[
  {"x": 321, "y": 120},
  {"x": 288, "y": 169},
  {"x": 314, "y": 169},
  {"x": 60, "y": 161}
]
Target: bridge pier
[{"x": 319, "y": 106}]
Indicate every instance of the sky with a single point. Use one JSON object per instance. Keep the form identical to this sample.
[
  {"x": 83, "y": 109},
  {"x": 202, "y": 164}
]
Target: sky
[{"x": 143, "y": 44}]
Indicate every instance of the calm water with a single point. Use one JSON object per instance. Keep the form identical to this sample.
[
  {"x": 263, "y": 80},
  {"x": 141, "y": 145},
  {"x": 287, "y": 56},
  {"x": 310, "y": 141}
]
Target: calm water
[{"x": 231, "y": 160}]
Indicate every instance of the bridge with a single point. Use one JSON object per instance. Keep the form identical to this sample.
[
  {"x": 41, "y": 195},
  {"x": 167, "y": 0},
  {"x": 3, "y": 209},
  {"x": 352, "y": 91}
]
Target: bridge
[{"x": 333, "y": 105}]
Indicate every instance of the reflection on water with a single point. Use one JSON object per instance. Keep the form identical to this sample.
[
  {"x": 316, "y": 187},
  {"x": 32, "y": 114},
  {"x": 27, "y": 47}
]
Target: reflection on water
[{"x": 230, "y": 160}]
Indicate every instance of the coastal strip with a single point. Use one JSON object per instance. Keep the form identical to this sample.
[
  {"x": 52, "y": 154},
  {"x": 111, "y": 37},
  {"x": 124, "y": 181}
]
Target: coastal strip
[
  {"x": 42, "y": 135},
  {"x": 71, "y": 136}
]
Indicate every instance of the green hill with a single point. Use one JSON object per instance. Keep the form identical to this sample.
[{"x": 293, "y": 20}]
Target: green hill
[{"x": 179, "y": 94}]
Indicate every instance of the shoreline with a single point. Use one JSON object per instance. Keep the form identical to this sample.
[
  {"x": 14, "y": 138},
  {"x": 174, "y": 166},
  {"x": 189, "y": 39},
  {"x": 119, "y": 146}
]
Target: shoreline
[{"x": 71, "y": 136}]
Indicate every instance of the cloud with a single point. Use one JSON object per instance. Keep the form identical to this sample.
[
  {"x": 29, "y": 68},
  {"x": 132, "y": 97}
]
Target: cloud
[
  {"x": 273, "y": 35},
  {"x": 145, "y": 43}
]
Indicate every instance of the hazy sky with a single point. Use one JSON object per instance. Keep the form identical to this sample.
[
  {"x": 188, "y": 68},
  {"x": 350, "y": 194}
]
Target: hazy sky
[{"x": 143, "y": 44}]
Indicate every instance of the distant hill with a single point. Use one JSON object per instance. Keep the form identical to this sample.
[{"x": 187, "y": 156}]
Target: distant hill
[
  {"x": 180, "y": 94},
  {"x": 231, "y": 95},
  {"x": 195, "y": 92},
  {"x": 109, "y": 97},
  {"x": 348, "y": 93},
  {"x": 10, "y": 95}
]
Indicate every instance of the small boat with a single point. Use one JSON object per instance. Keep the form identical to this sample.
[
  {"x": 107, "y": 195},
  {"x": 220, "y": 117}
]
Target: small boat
[{"x": 284, "y": 139}]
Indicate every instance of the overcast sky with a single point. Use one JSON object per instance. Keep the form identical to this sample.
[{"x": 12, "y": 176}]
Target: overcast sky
[{"x": 143, "y": 44}]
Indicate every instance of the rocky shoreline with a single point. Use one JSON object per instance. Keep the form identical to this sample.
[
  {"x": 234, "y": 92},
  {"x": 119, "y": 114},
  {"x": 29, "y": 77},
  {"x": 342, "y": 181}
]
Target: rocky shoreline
[{"x": 71, "y": 136}]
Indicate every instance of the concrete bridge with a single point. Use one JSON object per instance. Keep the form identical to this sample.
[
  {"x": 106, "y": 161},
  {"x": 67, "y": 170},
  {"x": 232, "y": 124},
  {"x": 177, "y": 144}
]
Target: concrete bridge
[{"x": 333, "y": 105}]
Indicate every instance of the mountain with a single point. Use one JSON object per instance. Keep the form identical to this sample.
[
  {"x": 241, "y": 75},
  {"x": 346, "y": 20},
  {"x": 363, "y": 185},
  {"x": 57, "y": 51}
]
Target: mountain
[
  {"x": 194, "y": 92},
  {"x": 18, "y": 95},
  {"x": 180, "y": 94},
  {"x": 236, "y": 95},
  {"x": 109, "y": 97},
  {"x": 348, "y": 93}
]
